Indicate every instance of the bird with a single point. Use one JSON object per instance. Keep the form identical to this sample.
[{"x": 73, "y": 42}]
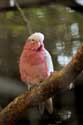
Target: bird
[{"x": 36, "y": 65}]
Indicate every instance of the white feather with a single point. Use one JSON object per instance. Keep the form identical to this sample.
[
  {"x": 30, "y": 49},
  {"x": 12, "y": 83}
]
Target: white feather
[
  {"x": 49, "y": 62},
  {"x": 37, "y": 37}
]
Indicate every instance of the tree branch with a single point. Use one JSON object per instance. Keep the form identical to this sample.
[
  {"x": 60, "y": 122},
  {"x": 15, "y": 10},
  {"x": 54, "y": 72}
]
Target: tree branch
[
  {"x": 5, "y": 6},
  {"x": 27, "y": 22},
  {"x": 48, "y": 88}
]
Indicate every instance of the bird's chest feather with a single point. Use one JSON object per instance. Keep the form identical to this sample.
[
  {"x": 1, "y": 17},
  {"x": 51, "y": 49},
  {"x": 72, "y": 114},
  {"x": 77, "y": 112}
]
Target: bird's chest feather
[
  {"x": 33, "y": 65},
  {"x": 34, "y": 57}
]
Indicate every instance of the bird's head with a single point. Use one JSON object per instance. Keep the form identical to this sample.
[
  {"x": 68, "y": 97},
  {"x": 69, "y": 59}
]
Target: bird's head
[{"x": 36, "y": 37}]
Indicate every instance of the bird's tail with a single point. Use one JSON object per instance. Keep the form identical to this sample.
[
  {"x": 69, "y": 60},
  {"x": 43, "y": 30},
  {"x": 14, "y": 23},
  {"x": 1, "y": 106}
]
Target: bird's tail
[{"x": 48, "y": 104}]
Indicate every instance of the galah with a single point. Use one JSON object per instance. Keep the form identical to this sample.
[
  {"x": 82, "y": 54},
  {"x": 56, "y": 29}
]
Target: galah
[{"x": 36, "y": 65}]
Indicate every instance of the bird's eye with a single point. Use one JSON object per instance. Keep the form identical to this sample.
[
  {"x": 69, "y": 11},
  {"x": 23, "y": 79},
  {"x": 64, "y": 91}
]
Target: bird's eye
[{"x": 33, "y": 40}]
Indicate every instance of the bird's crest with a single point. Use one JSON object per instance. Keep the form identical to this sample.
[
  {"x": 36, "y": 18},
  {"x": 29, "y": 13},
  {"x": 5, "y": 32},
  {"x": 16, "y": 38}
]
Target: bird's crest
[{"x": 36, "y": 37}]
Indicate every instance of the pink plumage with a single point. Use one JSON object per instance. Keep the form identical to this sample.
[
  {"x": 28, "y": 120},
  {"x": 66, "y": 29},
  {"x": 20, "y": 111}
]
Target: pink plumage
[{"x": 33, "y": 66}]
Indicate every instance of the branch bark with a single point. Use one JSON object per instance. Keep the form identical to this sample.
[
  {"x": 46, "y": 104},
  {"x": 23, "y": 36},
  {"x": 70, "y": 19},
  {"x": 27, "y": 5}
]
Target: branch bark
[
  {"x": 58, "y": 80},
  {"x": 5, "y": 6}
]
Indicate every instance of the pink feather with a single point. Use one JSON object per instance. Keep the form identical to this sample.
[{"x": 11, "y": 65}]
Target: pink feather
[{"x": 33, "y": 66}]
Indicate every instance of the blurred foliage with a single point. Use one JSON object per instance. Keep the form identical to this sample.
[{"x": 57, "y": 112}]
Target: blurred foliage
[{"x": 62, "y": 28}]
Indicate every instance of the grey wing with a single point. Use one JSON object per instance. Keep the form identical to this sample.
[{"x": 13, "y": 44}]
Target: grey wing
[{"x": 49, "y": 61}]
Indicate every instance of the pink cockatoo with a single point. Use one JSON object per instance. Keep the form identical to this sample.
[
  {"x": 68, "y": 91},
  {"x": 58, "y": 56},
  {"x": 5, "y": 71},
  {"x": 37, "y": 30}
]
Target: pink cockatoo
[{"x": 36, "y": 65}]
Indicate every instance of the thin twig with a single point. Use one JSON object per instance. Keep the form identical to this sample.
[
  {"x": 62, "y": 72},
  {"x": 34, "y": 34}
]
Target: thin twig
[{"x": 24, "y": 17}]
